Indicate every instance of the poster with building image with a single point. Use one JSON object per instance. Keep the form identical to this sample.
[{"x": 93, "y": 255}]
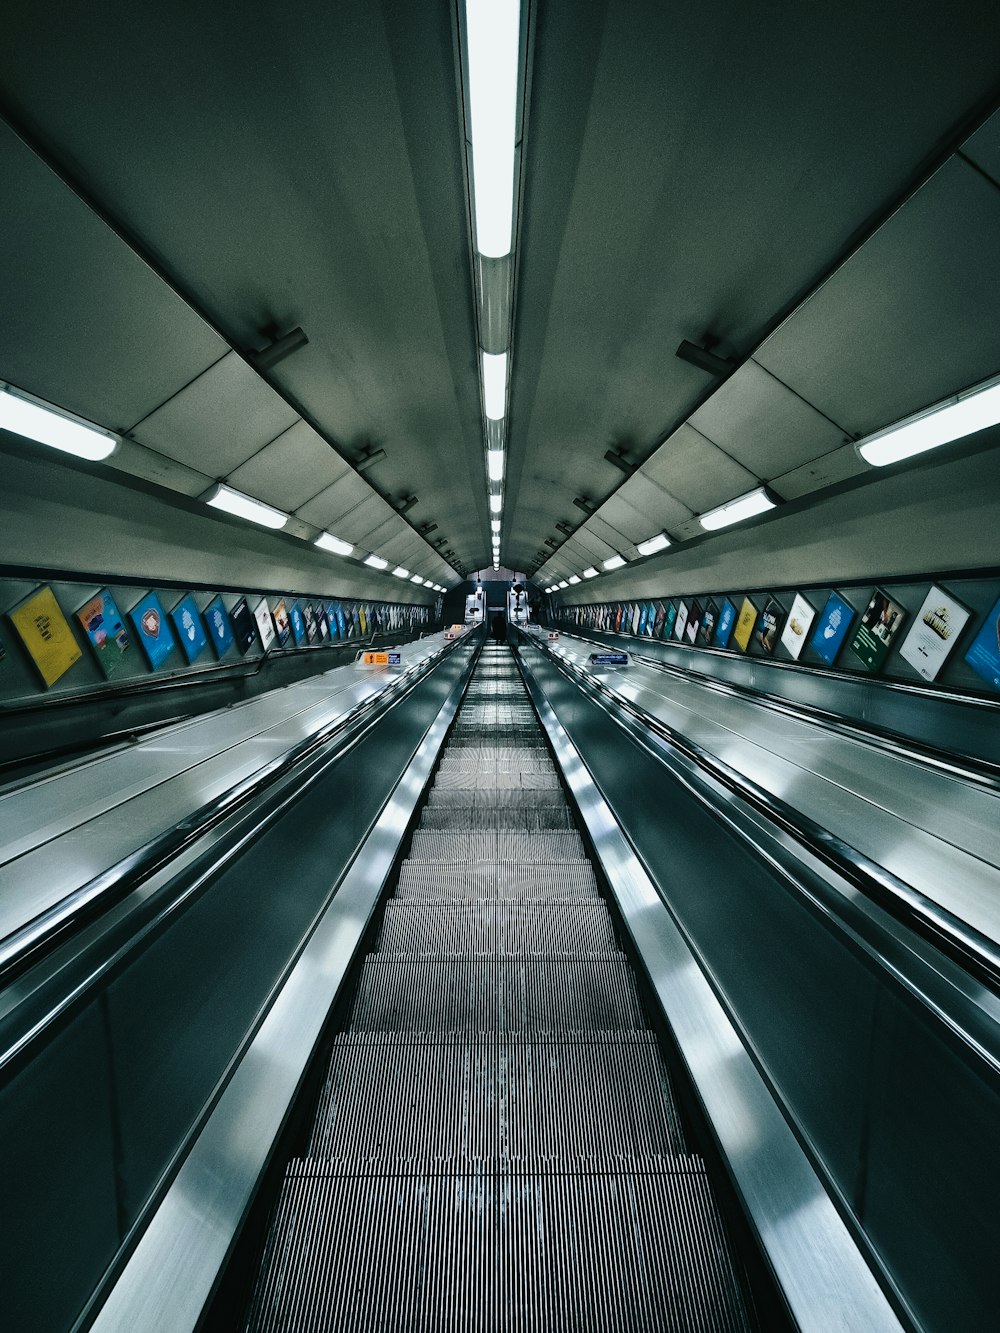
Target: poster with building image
[
  {"x": 745, "y": 622},
  {"x": 880, "y": 622},
  {"x": 934, "y": 633},
  {"x": 47, "y": 635},
  {"x": 104, "y": 627},
  {"x": 800, "y": 618}
]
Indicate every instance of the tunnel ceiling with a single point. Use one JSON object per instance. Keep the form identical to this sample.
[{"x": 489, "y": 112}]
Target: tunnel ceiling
[{"x": 805, "y": 187}]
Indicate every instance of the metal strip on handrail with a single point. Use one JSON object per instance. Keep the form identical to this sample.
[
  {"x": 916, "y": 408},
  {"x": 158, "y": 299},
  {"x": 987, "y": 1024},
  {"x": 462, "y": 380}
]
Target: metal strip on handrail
[
  {"x": 963, "y": 943},
  {"x": 24, "y": 945}
]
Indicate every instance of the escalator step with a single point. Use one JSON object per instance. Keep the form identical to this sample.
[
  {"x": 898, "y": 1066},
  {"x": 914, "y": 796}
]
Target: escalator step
[
  {"x": 513, "y": 798},
  {"x": 489, "y": 845},
  {"x": 504, "y": 881},
  {"x": 489, "y": 927},
  {"x": 534, "y": 819}
]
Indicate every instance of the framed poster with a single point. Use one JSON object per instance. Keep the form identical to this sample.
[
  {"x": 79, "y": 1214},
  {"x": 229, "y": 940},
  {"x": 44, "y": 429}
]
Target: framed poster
[
  {"x": 881, "y": 622},
  {"x": 831, "y": 628},
  {"x": 282, "y": 625},
  {"x": 104, "y": 627},
  {"x": 669, "y": 620},
  {"x": 363, "y": 618},
  {"x": 341, "y": 622},
  {"x": 46, "y": 634},
  {"x": 298, "y": 624},
  {"x": 189, "y": 627},
  {"x": 681, "y": 621},
  {"x": 693, "y": 622},
  {"x": 934, "y": 633},
  {"x": 727, "y": 619},
  {"x": 244, "y": 626},
  {"x": 331, "y": 619},
  {"x": 658, "y": 619},
  {"x": 769, "y": 625},
  {"x": 745, "y": 622},
  {"x": 984, "y": 653},
  {"x": 643, "y": 613},
  {"x": 219, "y": 629},
  {"x": 793, "y": 636},
  {"x": 152, "y": 629},
  {"x": 309, "y": 616},
  {"x": 265, "y": 625},
  {"x": 321, "y": 625},
  {"x": 709, "y": 618}
]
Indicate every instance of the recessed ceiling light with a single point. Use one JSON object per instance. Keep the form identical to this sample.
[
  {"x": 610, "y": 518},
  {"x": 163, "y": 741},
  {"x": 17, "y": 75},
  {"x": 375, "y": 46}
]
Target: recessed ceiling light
[
  {"x": 658, "y": 543},
  {"x": 590, "y": 573},
  {"x": 494, "y": 464},
  {"x": 494, "y": 524},
  {"x": 493, "y": 33},
  {"x": 37, "y": 420},
  {"x": 334, "y": 544},
  {"x": 496, "y": 504},
  {"x": 242, "y": 506},
  {"x": 574, "y": 578},
  {"x": 734, "y": 511},
  {"x": 615, "y": 562},
  {"x": 494, "y": 384},
  {"x": 376, "y": 562},
  {"x": 401, "y": 573},
  {"x": 955, "y": 418},
  {"x": 562, "y": 584},
  {"x": 416, "y": 579}
]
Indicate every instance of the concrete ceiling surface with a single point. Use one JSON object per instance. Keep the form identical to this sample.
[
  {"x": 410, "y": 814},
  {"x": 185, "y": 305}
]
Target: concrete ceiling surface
[{"x": 760, "y": 176}]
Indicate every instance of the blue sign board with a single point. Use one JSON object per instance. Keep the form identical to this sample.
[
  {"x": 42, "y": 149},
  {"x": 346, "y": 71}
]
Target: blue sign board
[
  {"x": 831, "y": 628},
  {"x": 219, "y": 629},
  {"x": 152, "y": 629},
  {"x": 984, "y": 652},
  {"x": 190, "y": 630},
  {"x": 609, "y": 659},
  {"x": 727, "y": 619},
  {"x": 298, "y": 623}
]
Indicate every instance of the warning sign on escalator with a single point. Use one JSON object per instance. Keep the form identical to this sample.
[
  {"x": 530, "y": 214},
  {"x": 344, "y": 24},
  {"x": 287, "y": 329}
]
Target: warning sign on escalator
[{"x": 380, "y": 659}]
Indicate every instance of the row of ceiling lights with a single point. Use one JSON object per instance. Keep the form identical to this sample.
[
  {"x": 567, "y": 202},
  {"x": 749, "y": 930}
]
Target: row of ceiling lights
[{"x": 31, "y": 417}]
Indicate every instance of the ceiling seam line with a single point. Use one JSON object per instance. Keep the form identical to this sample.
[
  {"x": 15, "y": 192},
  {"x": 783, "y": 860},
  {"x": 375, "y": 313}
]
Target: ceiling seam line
[
  {"x": 980, "y": 171},
  {"x": 725, "y": 452},
  {"x": 177, "y": 392},
  {"x": 795, "y": 393}
]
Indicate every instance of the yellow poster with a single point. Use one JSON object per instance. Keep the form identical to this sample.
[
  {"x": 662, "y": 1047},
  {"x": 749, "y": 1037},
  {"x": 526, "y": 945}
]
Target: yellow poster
[
  {"x": 47, "y": 635},
  {"x": 745, "y": 623}
]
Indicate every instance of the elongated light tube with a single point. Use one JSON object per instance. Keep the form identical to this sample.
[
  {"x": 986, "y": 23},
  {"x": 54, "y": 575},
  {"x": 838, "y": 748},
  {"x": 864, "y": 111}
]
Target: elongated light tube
[
  {"x": 401, "y": 573},
  {"x": 573, "y": 578},
  {"x": 242, "y": 506},
  {"x": 496, "y": 504},
  {"x": 494, "y": 464},
  {"x": 493, "y": 29},
  {"x": 416, "y": 578},
  {"x": 744, "y": 506},
  {"x": 327, "y": 542},
  {"x": 376, "y": 562},
  {"x": 658, "y": 543},
  {"x": 951, "y": 420},
  {"x": 494, "y": 525},
  {"x": 25, "y": 415},
  {"x": 590, "y": 573},
  {"x": 494, "y": 385},
  {"x": 615, "y": 562}
]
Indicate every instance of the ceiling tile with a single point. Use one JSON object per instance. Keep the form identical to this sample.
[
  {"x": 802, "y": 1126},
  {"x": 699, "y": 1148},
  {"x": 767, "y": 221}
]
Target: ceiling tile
[
  {"x": 660, "y": 508},
  {"x": 693, "y": 469},
  {"x": 984, "y": 147},
  {"x": 336, "y": 500},
  {"x": 838, "y": 465},
  {"x": 139, "y": 461},
  {"x": 290, "y": 469},
  {"x": 763, "y": 425},
  {"x": 218, "y": 420}
]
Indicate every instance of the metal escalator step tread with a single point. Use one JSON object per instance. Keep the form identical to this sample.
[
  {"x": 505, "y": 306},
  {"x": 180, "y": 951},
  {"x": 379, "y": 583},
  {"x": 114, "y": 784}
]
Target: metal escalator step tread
[
  {"x": 534, "y": 819},
  {"x": 496, "y": 928},
  {"x": 426, "y": 881},
  {"x": 512, "y": 1100},
  {"x": 485, "y": 780},
  {"x": 489, "y": 845},
  {"x": 458, "y": 993},
  {"x": 615, "y": 1251},
  {"x": 514, "y": 798}
]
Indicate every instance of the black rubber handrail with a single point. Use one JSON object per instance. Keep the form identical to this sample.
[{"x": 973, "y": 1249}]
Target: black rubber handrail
[
  {"x": 25, "y": 946},
  {"x": 976, "y": 953}
]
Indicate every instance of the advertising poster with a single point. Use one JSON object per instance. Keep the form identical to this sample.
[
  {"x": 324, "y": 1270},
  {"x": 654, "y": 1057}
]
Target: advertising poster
[
  {"x": 219, "y": 629},
  {"x": 635, "y": 613},
  {"x": 363, "y": 619},
  {"x": 669, "y": 620},
  {"x": 244, "y": 626},
  {"x": 265, "y": 626},
  {"x": 106, "y": 633},
  {"x": 46, "y": 634},
  {"x": 681, "y": 621},
  {"x": 309, "y": 616},
  {"x": 282, "y": 625},
  {"x": 643, "y": 613},
  {"x": 341, "y": 623},
  {"x": 331, "y": 620},
  {"x": 769, "y": 625},
  {"x": 745, "y": 622},
  {"x": 322, "y": 626},
  {"x": 831, "y": 628},
  {"x": 934, "y": 633},
  {"x": 189, "y": 627},
  {"x": 793, "y": 636},
  {"x": 693, "y": 622},
  {"x": 727, "y": 619},
  {"x": 709, "y": 618},
  {"x": 658, "y": 619},
  {"x": 298, "y": 624},
  {"x": 152, "y": 629},
  {"x": 650, "y": 619},
  {"x": 984, "y": 652},
  {"x": 882, "y": 620}
]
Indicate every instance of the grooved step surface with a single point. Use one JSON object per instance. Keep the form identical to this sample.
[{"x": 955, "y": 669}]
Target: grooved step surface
[
  {"x": 495, "y": 845},
  {"x": 534, "y": 819},
  {"x": 492, "y": 928},
  {"x": 506, "y": 881}
]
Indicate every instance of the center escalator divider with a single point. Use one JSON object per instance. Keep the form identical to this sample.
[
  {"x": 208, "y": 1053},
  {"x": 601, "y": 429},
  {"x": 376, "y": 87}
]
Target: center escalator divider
[{"x": 497, "y": 1144}]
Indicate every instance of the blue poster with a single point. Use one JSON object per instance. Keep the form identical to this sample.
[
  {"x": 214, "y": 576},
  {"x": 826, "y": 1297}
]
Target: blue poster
[
  {"x": 219, "y": 628},
  {"x": 669, "y": 619},
  {"x": 641, "y": 627},
  {"x": 831, "y": 628},
  {"x": 190, "y": 630},
  {"x": 984, "y": 653},
  {"x": 727, "y": 619},
  {"x": 341, "y": 622},
  {"x": 152, "y": 629},
  {"x": 331, "y": 619},
  {"x": 298, "y": 623}
]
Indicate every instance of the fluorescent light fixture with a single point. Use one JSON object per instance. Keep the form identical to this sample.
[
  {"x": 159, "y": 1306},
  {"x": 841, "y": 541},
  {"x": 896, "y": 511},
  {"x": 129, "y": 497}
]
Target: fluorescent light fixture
[
  {"x": 654, "y": 544},
  {"x": 235, "y": 502},
  {"x": 574, "y": 578},
  {"x": 493, "y": 31},
  {"x": 549, "y": 591},
  {"x": 415, "y": 578},
  {"x": 38, "y": 420},
  {"x": 615, "y": 562},
  {"x": 744, "y": 506},
  {"x": 494, "y": 385},
  {"x": 328, "y": 543},
  {"x": 966, "y": 413},
  {"x": 590, "y": 573},
  {"x": 563, "y": 584},
  {"x": 496, "y": 504},
  {"x": 494, "y": 464},
  {"x": 376, "y": 562},
  {"x": 494, "y": 525},
  {"x": 400, "y": 573}
]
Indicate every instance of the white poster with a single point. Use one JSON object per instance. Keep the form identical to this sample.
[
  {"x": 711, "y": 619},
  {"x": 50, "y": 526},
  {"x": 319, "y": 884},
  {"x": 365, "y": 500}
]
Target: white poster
[
  {"x": 934, "y": 633},
  {"x": 265, "y": 625},
  {"x": 681, "y": 621},
  {"x": 801, "y": 616}
]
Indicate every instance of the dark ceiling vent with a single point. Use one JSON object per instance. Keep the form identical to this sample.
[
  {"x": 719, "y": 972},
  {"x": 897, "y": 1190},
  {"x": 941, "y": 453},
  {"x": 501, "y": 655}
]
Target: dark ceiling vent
[
  {"x": 266, "y": 358},
  {"x": 704, "y": 358}
]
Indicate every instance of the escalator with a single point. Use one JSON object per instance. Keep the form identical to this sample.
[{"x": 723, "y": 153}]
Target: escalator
[{"x": 497, "y": 1143}]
